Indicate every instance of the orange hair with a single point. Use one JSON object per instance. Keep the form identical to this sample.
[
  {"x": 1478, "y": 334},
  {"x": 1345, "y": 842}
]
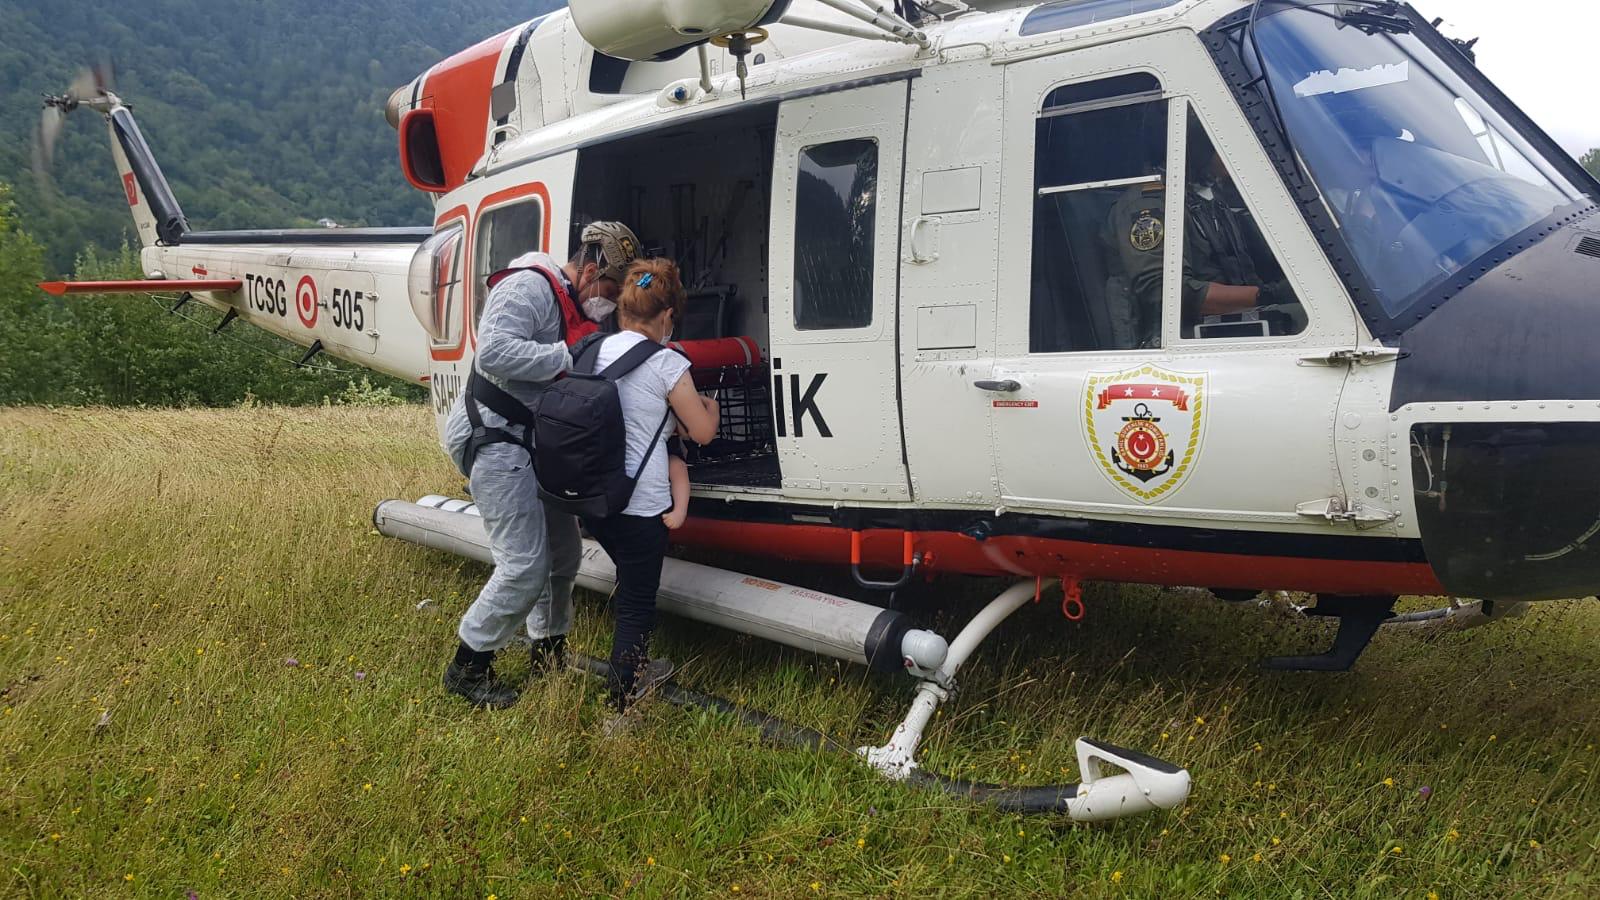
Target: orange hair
[{"x": 663, "y": 290}]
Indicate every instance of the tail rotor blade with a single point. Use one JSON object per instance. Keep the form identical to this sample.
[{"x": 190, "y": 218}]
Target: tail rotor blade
[
  {"x": 85, "y": 85},
  {"x": 51, "y": 121}
]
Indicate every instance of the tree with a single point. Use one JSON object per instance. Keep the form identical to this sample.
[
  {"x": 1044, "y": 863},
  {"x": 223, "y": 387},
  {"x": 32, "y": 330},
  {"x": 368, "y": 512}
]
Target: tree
[
  {"x": 1591, "y": 161},
  {"x": 25, "y": 360}
]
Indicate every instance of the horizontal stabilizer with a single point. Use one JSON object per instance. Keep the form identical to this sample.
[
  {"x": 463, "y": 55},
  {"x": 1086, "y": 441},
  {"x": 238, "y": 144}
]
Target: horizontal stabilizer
[{"x": 206, "y": 286}]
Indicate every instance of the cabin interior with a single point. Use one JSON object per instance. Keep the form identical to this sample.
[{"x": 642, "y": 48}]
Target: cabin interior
[{"x": 699, "y": 193}]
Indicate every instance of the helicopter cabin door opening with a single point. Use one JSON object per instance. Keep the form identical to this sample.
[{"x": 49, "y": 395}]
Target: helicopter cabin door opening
[{"x": 699, "y": 194}]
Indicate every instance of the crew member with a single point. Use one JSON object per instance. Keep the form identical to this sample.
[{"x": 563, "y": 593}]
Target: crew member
[
  {"x": 534, "y": 310},
  {"x": 1220, "y": 272}
]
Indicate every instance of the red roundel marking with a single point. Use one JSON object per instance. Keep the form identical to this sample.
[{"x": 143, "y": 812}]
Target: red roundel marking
[{"x": 305, "y": 301}]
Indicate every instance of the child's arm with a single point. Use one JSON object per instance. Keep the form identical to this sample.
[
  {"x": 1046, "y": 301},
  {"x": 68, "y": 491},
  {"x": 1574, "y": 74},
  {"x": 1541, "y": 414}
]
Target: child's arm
[{"x": 678, "y": 477}]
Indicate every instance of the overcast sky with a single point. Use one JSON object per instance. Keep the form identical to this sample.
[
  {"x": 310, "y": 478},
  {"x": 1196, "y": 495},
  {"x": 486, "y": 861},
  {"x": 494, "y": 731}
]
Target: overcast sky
[{"x": 1542, "y": 53}]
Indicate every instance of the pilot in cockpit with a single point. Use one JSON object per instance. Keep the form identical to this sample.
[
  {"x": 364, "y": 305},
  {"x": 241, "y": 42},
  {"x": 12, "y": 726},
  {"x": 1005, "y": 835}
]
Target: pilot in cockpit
[{"x": 1232, "y": 285}]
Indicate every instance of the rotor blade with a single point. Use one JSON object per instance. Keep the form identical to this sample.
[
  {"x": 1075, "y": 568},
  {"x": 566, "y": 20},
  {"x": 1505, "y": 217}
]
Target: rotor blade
[
  {"x": 85, "y": 86},
  {"x": 105, "y": 75},
  {"x": 51, "y": 121}
]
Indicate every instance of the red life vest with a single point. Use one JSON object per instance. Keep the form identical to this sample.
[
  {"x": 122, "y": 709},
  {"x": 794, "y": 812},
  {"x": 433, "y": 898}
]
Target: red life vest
[{"x": 575, "y": 326}]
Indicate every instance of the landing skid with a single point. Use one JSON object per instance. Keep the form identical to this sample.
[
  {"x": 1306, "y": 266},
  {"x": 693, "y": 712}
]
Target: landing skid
[
  {"x": 1359, "y": 619},
  {"x": 1144, "y": 784}
]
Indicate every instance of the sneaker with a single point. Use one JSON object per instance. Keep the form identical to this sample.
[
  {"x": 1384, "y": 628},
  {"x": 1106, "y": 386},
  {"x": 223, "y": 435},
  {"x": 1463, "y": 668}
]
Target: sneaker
[
  {"x": 547, "y": 655},
  {"x": 655, "y": 673},
  {"x": 479, "y": 685}
]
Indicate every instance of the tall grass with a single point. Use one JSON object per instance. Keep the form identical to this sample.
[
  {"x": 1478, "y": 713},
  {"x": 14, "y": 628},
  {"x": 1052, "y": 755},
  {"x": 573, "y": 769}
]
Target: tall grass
[{"x": 215, "y": 678}]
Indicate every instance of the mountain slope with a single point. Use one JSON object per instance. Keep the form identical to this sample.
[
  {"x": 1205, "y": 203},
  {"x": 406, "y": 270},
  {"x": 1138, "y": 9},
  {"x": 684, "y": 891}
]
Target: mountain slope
[{"x": 261, "y": 113}]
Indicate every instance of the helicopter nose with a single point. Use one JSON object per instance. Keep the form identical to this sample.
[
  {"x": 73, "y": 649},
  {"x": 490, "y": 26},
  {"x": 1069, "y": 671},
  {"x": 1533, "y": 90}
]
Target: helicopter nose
[{"x": 1502, "y": 380}]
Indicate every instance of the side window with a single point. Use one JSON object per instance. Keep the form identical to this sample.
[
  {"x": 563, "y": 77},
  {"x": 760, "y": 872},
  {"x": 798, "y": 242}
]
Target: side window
[
  {"x": 1099, "y": 239},
  {"x": 504, "y": 233},
  {"x": 836, "y": 205},
  {"x": 434, "y": 283},
  {"x": 1232, "y": 284}
]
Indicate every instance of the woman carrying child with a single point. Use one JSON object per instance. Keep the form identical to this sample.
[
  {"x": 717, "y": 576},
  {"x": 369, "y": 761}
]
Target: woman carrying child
[{"x": 636, "y": 540}]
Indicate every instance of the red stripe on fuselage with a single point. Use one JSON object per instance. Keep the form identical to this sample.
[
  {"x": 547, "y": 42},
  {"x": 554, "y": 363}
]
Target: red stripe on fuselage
[
  {"x": 457, "y": 90},
  {"x": 1029, "y": 556}
]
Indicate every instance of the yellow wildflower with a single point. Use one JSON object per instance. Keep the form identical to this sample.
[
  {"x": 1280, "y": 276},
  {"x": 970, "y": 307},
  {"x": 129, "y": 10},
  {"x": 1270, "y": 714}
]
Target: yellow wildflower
[
  {"x": 405, "y": 868},
  {"x": 734, "y": 888},
  {"x": 1388, "y": 782},
  {"x": 1256, "y": 858},
  {"x": 1433, "y": 895},
  {"x": 1397, "y": 850},
  {"x": 1276, "y": 841},
  {"x": 1199, "y": 720},
  {"x": 649, "y": 860},
  {"x": 1116, "y": 877},
  {"x": 367, "y": 786},
  {"x": 1453, "y": 834},
  {"x": 1225, "y": 859},
  {"x": 860, "y": 842},
  {"x": 1533, "y": 845},
  {"x": 128, "y": 877},
  {"x": 816, "y": 886},
  {"x": 1006, "y": 857},
  {"x": 55, "y": 836}
]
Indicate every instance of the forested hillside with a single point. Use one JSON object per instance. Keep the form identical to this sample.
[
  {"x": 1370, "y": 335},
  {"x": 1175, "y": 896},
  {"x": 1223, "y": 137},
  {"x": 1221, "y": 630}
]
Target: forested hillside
[{"x": 261, "y": 112}]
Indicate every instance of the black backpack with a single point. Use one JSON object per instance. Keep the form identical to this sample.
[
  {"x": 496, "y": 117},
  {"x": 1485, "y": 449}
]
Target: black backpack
[{"x": 579, "y": 438}]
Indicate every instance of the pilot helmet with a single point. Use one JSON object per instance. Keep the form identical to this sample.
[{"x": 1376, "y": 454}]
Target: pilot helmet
[{"x": 616, "y": 244}]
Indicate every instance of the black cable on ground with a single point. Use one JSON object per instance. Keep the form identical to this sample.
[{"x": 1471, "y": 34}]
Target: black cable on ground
[{"x": 1049, "y": 798}]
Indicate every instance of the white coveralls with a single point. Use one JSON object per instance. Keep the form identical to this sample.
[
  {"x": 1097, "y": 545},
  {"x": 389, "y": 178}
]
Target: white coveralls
[{"x": 535, "y": 549}]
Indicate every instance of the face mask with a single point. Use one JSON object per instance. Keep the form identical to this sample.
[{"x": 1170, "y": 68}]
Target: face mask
[{"x": 597, "y": 308}]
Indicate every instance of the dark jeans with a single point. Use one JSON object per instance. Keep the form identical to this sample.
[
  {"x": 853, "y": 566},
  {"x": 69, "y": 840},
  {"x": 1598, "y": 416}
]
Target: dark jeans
[{"x": 637, "y": 545}]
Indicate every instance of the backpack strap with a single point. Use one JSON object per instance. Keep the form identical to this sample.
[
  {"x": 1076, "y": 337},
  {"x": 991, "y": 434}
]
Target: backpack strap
[
  {"x": 574, "y": 325},
  {"x": 514, "y": 411},
  {"x": 645, "y": 460},
  {"x": 627, "y": 362}
]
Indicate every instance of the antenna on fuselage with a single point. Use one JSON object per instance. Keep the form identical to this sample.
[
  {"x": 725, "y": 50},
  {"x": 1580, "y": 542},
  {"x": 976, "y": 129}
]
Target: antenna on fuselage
[{"x": 739, "y": 43}]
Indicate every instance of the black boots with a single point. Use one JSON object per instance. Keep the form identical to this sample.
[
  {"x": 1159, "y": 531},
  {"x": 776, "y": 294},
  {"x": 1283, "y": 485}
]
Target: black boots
[
  {"x": 547, "y": 655},
  {"x": 471, "y": 675}
]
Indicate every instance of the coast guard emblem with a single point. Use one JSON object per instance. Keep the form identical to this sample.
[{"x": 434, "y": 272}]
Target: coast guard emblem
[
  {"x": 1147, "y": 231},
  {"x": 1144, "y": 427}
]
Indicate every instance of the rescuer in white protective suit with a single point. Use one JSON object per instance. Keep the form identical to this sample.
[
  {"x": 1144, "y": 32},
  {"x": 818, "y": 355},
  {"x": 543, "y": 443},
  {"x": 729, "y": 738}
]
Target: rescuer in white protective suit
[{"x": 535, "y": 307}]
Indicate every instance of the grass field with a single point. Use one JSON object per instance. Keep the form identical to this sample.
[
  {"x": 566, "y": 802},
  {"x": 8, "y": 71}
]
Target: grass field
[{"x": 215, "y": 681}]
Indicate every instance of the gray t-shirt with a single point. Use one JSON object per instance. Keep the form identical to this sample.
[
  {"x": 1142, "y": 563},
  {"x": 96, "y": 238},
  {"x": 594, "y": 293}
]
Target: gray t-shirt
[{"x": 643, "y": 393}]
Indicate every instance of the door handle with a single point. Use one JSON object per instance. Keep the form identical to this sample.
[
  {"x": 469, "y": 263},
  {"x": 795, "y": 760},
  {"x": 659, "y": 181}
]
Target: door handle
[{"x": 1007, "y": 386}]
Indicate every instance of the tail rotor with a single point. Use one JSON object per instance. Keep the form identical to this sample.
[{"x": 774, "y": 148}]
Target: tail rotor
[{"x": 92, "y": 88}]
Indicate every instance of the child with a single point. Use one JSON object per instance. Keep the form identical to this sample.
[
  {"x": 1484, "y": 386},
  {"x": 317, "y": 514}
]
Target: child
[{"x": 678, "y": 475}]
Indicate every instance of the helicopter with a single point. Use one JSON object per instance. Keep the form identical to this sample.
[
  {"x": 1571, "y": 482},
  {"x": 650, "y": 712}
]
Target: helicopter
[{"x": 954, "y": 277}]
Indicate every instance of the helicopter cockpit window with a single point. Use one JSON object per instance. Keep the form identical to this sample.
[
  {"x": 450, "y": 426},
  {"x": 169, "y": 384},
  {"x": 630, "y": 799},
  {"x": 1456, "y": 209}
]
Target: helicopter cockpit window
[
  {"x": 1232, "y": 284},
  {"x": 1421, "y": 173},
  {"x": 1065, "y": 14},
  {"x": 504, "y": 233},
  {"x": 1098, "y": 237},
  {"x": 836, "y": 203}
]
